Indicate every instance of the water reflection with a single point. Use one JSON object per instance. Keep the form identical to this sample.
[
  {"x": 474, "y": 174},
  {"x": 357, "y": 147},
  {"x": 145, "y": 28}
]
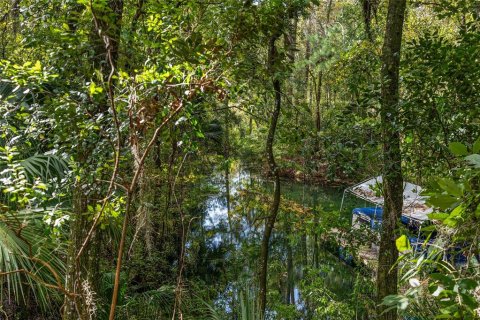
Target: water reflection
[{"x": 233, "y": 225}]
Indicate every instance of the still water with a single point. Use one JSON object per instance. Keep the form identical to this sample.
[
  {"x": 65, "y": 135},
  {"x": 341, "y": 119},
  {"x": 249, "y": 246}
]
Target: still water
[{"x": 232, "y": 228}]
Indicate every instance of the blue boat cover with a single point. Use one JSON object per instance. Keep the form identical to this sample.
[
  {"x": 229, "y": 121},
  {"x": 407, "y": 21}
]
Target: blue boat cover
[
  {"x": 372, "y": 212},
  {"x": 375, "y": 214},
  {"x": 418, "y": 244}
]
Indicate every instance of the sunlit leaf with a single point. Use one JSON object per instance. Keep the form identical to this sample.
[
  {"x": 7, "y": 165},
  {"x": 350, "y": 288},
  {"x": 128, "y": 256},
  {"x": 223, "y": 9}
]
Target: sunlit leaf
[
  {"x": 458, "y": 148},
  {"x": 403, "y": 244}
]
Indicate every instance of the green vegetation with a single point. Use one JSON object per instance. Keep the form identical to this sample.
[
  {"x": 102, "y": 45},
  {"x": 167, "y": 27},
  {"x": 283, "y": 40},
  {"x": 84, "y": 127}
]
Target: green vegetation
[{"x": 186, "y": 159}]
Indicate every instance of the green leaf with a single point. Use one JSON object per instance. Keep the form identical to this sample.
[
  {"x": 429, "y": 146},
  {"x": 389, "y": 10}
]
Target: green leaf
[
  {"x": 470, "y": 301},
  {"x": 93, "y": 89},
  {"x": 45, "y": 167},
  {"x": 468, "y": 284},
  {"x": 458, "y": 148},
  {"x": 476, "y": 146},
  {"x": 37, "y": 67},
  {"x": 438, "y": 216},
  {"x": 429, "y": 228},
  {"x": 451, "y": 186},
  {"x": 403, "y": 244},
  {"x": 442, "y": 201},
  {"x": 457, "y": 212},
  {"x": 396, "y": 300},
  {"x": 16, "y": 253},
  {"x": 454, "y": 217},
  {"x": 444, "y": 279},
  {"x": 474, "y": 160}
]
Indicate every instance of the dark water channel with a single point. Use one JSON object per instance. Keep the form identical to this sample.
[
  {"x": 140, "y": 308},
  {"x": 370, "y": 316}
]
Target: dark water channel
[{"x": 232, "y": 229}]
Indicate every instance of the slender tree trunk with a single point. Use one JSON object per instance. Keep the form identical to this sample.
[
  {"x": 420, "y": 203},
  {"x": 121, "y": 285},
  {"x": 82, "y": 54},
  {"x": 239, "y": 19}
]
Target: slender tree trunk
[
  {"x": 290, "y": 41},
  {"x": 387, "y": 275},
  {"x": 316, "y": 249},
  {"x": 328, "y": 96},
  {"x": 81, "y": 269},
  {"x": 367, "y": 17},
  {"x": 329, "y": 10},
  {"x": 304, "y": 249},
  {"x": 110, "y": 28},
  {"x": 315, "y": 253},
  {"x": 290, "y": 272},
  {"x": 307, "y": 57},
  {"x": 15, "y": 13},
  {"x": 77, "y": 271},
  {"x": 289, "y": 296},
  {"x": 318, "y": 101},
  {"x": 143, "y": 222},
  {"x": 270, "y": 220},
  {"x": 226, "y": 155},
  {"x": 170, "y": 170}
]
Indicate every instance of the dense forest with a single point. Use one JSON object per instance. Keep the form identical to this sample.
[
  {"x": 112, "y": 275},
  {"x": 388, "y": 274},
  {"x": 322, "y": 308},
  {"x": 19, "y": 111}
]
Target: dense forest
[{"x": 194, "y": 159}]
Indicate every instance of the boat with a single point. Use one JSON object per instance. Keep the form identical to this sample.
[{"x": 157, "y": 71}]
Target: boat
[{"x": 414, "y": 215}]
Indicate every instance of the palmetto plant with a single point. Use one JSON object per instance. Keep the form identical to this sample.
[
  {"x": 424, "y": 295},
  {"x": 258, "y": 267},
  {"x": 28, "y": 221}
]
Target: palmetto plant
[
  {"x": 43, "y": 166},
  {"x": 30, "y": 264},
  {"x": 248, "y": 305},
  {"x": 28, "y": 259},
  {"x": 159, "y": 304}
]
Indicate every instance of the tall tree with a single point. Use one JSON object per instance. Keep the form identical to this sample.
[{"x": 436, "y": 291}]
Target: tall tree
[
  {"x": 82, "y": 261},
  {"x": 272, "y": 215},
  {"x": 387, "y": 273},
  {"x": 369, "y": 7}
]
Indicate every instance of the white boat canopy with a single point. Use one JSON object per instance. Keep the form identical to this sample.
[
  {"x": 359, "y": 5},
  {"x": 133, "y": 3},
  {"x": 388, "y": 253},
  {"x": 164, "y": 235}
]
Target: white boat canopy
[{"x": 414, "y": 205}]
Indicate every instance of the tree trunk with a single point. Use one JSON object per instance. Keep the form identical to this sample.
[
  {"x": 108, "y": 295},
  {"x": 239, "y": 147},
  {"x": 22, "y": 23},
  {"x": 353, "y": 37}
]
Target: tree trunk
[
  {"x": 270, "y": 220},
  {"x": 304, "y": 249},
  {"x": 316, "y": 249},
  {"x": 317, "y": 102},
  {"x": 329, "y": 11},
  {"x": 77, "y": 271},
  {"x": 367, "y": 17},
  {"x": 110, "y": 28},
  {"x": 290, "y": 41},
  {"x": 289, "y": 296},
  {"x": 307, "y": 67},
  {"x": 226, "y": 156},
  {"x": 392, "y": 172},
  {"x": 81, "y": 270}
]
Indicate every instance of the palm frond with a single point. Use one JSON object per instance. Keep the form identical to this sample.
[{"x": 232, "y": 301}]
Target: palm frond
[
  {"x": 248, "y": 305},
  {"x": 28, "y": 259},
  {"x": 152, "y": 304},
  {"x": 12, "y": 93},
  {"x": 159, "y": 304},
  {"x": 45, "y": 167},
  {"x": 208, "y": 310}
]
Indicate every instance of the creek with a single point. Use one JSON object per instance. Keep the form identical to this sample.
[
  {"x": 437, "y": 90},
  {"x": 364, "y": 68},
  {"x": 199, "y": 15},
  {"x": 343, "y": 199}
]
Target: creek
[{"x": 231, "y": 230}]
